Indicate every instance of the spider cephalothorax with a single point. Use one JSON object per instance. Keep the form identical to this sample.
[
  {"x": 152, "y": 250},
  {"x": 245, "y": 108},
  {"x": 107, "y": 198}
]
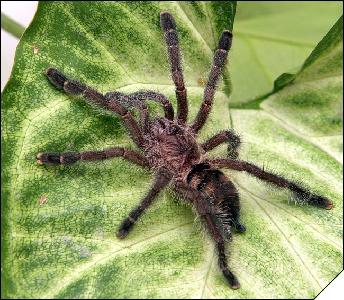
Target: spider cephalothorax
[
  {"x": 172, "y": 145},
  {"x": 169, "y": 148}
]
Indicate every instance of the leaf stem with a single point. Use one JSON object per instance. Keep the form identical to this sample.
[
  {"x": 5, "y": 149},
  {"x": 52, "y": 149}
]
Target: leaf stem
[{"x": 11, "y": 26}]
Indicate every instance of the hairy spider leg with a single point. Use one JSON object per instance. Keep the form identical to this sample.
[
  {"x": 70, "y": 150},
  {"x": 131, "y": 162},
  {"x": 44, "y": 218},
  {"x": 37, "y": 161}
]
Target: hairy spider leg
[
  {"x": 156, "y": 97},
  {"x": 73, "y": 87},
  {"x": 232, "y": 280},
  {"x": 68, "y": 158},
  {"x": 214, "y": 225},
  {"x": 126, "y": 101},
  {"x": 162, "y": 178},
  {"x": 226, "y": 136},
  {"x": 219, "y": 62},
  {"x": 279, "y": 181},
  {"x": 137, "y": 99},
  {"x": 168, "y": 25}
]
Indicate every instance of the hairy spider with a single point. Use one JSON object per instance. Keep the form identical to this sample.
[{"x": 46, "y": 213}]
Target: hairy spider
[{"x": 170, "y": 149}]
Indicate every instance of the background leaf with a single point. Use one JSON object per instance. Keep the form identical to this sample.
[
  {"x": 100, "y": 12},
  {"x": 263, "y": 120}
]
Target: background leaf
[
  {"x": 66, "y": 247},
  {"x": 272, "y": 37}
]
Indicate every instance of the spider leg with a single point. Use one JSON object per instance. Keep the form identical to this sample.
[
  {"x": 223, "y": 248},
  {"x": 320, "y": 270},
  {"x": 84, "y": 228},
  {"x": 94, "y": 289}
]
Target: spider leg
[
  {"x": 138, "y": 99},
  {"x": 232, "y": 280},
  {"x": 207, "y": 212},
  {"x": 219, "y": 61},
  {"x": 73, "y": 87},
  {"x": 156, "y": 97},
  {"x": 127, "y": 101},
  {"x": 162, "y": 179},
  {"x": 302, "y": 193},
  {"x": 227, "y": 136},
  {"x": 68, "y": 158},
  {"x": 168, "y": 25}
]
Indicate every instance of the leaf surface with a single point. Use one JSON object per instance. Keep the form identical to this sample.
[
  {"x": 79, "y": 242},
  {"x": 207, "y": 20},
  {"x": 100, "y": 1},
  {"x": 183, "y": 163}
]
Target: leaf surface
[
  {"x": 59, "y": 223},
  {"x": 272, "y": 37}
]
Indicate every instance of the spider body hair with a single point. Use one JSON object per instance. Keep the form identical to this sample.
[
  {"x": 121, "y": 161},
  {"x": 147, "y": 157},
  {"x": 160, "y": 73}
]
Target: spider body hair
[
  {"x": 172, "y": 145},
  {"x": 168, "y": 146}
]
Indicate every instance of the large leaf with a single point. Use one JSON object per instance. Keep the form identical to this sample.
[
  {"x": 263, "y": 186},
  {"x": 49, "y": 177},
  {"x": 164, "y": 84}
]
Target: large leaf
[{"x": 65, "y": 246}]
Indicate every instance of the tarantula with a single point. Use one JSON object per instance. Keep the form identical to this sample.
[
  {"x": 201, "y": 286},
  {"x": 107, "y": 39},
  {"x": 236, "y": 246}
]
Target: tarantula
[{"x": 170, "y": 149}]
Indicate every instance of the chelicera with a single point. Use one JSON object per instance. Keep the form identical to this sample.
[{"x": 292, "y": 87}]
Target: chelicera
[{"x": 168, "y": 146}]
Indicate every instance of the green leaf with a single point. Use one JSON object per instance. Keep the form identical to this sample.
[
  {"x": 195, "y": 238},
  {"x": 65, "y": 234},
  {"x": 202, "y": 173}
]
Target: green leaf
[
  {"x": 272, "y": 37},
  {"x": 325, "y": 60},
  {"x": 66, "y": 247},
  {"x": 312, "y": 104}
]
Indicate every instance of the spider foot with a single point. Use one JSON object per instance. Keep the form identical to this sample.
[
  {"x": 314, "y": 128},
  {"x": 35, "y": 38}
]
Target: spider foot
[
  {"x": 240, "y": 228},
  {"x": 320, "y": 201},
  {"x": 56, "y": 78},
  {"x": 329, "y": 205},
  {"x": 231, "y": 279},
  {"x": 55, "y": 158},
  {"x": 61, "y": 82},
  {"x": 121, "y": 234},
  {"x": 125, "y": 228},
  {"x": 166, "y": 21},
  {"x": 48, "y": 158},
  {"x": 225, "y": 42}
]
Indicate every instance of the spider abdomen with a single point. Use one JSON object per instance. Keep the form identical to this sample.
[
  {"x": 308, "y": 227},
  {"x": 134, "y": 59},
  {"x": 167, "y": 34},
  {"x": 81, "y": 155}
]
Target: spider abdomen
[{"x": 222, "y": 196}]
